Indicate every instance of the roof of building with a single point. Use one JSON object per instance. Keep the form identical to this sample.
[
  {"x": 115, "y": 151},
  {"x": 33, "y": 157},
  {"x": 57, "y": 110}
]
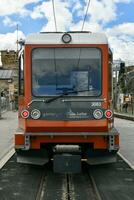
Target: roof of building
[
  {"x": 6, "y": 74},
  {"x": 77, "y": 38}
]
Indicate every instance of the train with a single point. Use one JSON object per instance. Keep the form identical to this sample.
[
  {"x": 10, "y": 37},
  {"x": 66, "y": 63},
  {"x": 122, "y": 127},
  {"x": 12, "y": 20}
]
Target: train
[{"x": 65, "y": 109}]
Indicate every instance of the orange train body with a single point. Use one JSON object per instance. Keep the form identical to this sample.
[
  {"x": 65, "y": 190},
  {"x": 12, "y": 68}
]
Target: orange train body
[{"x": 64, "y": 109}]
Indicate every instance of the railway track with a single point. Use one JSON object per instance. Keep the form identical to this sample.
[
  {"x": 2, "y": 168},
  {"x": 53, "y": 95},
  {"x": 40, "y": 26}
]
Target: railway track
[
  {"x": 104, "y": 182},
  {"x": 67, "y": 187}
]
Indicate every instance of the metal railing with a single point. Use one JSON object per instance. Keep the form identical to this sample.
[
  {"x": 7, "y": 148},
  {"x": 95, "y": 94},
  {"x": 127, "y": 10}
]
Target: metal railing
[
  {"x": 4, "y": 105},
  {"x": 126, "y": 108}
]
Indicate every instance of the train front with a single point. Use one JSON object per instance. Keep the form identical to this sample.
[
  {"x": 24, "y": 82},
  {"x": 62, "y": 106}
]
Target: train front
[{"x": 65, "y": 101}]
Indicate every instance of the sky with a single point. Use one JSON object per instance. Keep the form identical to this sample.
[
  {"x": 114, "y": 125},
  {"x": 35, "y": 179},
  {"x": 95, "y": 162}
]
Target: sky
[{"x": 115, "y": 18}]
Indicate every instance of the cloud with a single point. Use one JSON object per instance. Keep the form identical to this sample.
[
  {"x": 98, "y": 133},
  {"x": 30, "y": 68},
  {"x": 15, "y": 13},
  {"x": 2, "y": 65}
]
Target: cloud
[
  {"x": 121, "y": 29},
  {"x": 9, "y": 7},
  {"x": 102, "y": 11},
  {"x": 122, "y": 50},
  {"x": 92, "y": 27},
  {"x": 8, "y": 41},
  {"x": 123, "y": 1},
  {"x": 121, "y": 39},
  {"x": 63, "y": 15},
  {"x": 8, "y": 22}
]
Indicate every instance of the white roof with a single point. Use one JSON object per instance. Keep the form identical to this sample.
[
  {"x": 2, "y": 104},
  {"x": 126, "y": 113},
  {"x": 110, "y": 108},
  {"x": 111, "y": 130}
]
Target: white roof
[{"x": 77, "y": 38}]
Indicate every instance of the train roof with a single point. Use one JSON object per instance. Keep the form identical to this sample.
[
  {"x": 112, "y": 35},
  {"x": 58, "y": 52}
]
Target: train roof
[{"x": 56, "y": 38}]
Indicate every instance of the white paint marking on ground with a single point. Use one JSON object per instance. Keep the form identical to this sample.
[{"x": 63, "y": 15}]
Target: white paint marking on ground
[
  {"x": 130, "y": 165},
  {"x": 6, "y": 158}
]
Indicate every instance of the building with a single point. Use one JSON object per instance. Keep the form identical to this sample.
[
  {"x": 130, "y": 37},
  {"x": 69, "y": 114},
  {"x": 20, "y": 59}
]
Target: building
[
  {"x": 9, "y": 59},
  {"x": 130, "y": 79},
  {"x": 8, "y": 73}
]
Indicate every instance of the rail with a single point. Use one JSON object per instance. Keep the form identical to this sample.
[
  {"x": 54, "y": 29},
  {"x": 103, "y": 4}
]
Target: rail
[
  {"x": 68, "y": 186},
  {"x": 103, "y": 182}
]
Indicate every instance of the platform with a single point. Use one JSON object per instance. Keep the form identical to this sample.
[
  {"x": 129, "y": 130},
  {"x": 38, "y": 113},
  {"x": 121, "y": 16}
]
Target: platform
[
  {"x": 8, "y": 125},
  {"x": 126, "y": 130}
]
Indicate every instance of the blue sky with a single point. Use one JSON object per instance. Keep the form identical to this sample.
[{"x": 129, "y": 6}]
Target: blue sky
[
  {"x": 125, "y": 14},
  {"x": 113, "y": 17}
]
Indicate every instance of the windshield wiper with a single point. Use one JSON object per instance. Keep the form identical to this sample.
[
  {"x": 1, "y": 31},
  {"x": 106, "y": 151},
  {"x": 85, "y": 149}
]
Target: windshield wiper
[
  {"x": 64, "y": 94},
  {"x": 59, "y": 96},
  {"x": 36, "y": 100}
]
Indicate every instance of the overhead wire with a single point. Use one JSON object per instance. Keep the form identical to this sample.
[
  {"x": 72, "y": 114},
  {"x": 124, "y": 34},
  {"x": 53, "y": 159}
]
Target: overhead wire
[
  {"x": 55, "y": 22},
  {"x": 85, "y": 16},
  {"x": 54, "y": 15},
  {"x": 84, "y": 19}
]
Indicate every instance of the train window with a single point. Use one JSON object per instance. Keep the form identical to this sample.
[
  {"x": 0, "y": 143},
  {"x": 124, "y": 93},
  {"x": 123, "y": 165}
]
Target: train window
[
  {"x": 21, "y": 74},
  {"x": 55, "y": 69},
  {"x": 110, "y": 89}
]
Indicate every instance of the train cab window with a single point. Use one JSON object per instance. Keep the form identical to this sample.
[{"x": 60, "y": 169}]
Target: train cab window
[
  {"x": 21, "y": 74},
  {"x": 73, "y": 69}
]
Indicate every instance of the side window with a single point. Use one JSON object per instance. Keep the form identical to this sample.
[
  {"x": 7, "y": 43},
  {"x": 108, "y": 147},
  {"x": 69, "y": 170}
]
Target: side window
[
  {"x": 110, "y": 74},
  {"x": 21, "y": 74}
]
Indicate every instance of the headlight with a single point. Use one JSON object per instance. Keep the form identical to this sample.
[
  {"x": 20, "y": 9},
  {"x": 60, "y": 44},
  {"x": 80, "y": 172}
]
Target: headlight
[
  {"x": 35, "y": 114},
  {"x": 108, "y": 114},
  {"x": 25, "y": 114},
  {"x": 98, "y": 114},
  {"x": 66, "y": 38}
]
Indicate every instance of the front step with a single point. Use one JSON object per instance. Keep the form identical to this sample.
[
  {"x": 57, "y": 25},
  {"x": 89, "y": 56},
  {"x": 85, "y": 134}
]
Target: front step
[{"x": 34, "y": 157}]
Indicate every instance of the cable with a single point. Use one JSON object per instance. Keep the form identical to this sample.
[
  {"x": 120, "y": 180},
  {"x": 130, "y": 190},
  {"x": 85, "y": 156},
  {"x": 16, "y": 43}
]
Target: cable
[
  {"x": 53, "y": 5},
  {"x": 54, "y": 15},
  {"x": 82, "y": 30},
  {"x": 85, "y": 15}
]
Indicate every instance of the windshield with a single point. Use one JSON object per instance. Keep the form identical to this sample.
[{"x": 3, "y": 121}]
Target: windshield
[{"x": 55, "y": 70}]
